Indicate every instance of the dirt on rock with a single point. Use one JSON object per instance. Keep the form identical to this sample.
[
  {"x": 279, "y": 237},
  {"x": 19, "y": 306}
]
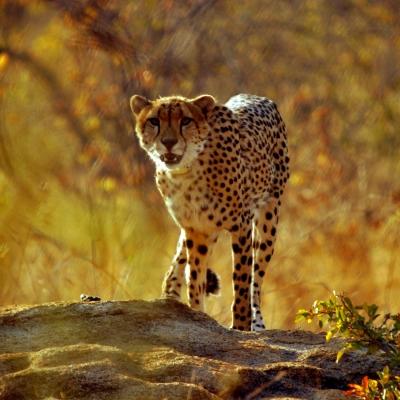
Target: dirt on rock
[{"x": 162, "y": 350}]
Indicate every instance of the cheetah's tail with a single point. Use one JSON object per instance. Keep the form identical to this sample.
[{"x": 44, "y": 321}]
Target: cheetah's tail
[{"x": 212, "y": 286}]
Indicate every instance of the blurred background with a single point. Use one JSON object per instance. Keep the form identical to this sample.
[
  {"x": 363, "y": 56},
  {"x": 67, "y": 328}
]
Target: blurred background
[{"x": 79, "y": 211}]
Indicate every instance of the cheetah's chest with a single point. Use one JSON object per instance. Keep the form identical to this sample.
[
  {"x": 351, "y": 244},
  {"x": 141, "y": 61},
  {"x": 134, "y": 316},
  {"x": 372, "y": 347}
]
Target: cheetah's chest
[{"x": 188, "y": 204}]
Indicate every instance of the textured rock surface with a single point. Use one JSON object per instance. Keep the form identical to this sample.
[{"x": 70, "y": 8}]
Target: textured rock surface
[{"x": 161, "y": 350}]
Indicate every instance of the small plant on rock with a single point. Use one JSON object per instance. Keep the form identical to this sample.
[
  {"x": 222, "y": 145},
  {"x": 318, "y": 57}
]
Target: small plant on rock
[{"x": 363, "y": 328}]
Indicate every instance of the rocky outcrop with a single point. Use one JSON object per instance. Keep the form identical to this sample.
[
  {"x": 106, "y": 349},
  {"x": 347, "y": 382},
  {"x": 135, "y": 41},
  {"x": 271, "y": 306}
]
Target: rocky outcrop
[{"x": 161, "y": 350}]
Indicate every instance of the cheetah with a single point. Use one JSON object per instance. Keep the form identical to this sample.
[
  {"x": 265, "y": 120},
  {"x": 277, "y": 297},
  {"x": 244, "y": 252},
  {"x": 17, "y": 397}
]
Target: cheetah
[{"x": 218, "y": 167}]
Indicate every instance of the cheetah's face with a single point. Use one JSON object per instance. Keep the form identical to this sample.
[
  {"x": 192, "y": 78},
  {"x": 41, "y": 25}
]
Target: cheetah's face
[{"x": 173, "y": 130}]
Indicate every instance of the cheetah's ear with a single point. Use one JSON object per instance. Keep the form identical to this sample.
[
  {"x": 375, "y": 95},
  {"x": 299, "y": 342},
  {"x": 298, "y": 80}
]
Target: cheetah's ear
[
  {"x": 205, "y": 102},
  {"x": 137, "y": 103}
]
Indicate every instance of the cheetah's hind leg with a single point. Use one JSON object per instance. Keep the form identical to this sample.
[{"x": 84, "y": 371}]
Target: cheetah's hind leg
[{"x": 264, "y": 236}]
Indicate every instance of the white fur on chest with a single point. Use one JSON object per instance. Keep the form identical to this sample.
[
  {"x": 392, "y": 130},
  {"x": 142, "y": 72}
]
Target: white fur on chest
[{"x": 187, "y": 206}]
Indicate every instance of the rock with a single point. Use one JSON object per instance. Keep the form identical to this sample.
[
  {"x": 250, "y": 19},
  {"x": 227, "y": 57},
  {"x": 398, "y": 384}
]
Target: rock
[{"x": 162, "y": 350}]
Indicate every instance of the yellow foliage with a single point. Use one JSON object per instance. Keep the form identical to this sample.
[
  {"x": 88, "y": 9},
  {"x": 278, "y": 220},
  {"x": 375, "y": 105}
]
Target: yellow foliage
[
  {"x": 296, "y": 179},
  {"x": 322, "y": 160},
  {"x": 92, "y": 123},
  {"x": 4, "y": 60}
]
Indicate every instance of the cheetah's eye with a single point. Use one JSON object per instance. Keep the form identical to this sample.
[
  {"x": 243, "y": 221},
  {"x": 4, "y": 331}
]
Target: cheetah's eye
[
  {"x": 154, "y": 121},
  {"x": 186, "y": 121}
]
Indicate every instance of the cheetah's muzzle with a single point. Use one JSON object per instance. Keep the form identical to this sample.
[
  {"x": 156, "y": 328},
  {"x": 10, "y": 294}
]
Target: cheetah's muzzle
[{"x": 170, "y": 158}]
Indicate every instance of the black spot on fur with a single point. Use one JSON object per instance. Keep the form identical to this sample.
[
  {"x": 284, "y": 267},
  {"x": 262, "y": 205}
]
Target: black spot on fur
[
  {"x": 236, "y": 248},
  {"x": 234, "y": 228},
  {"x": 212, "y": 284},
  {"x": 202, "y": 249}
]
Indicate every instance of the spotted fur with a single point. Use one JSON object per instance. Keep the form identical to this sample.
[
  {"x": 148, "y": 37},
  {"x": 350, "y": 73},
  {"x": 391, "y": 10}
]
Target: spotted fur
[{"x": 218, "y": 167}]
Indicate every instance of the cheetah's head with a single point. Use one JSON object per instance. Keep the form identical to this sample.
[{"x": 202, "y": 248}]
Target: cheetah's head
[{"x": 173, "y": 130}]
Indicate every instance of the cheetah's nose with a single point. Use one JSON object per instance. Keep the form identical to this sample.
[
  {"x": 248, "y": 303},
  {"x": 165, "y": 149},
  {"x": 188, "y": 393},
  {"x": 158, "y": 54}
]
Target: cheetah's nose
[{"x": 169, "y": 142}]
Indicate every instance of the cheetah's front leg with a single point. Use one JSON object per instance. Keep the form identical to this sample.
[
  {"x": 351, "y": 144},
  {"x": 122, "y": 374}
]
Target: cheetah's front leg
[
  {"x": 198, "y": 251},
  {"x": 174, "y": 277}
]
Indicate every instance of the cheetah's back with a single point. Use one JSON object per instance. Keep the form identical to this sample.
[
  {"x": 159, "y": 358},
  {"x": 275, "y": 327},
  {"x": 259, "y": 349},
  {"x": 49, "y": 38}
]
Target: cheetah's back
[{"x": 263, "y": 143}]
